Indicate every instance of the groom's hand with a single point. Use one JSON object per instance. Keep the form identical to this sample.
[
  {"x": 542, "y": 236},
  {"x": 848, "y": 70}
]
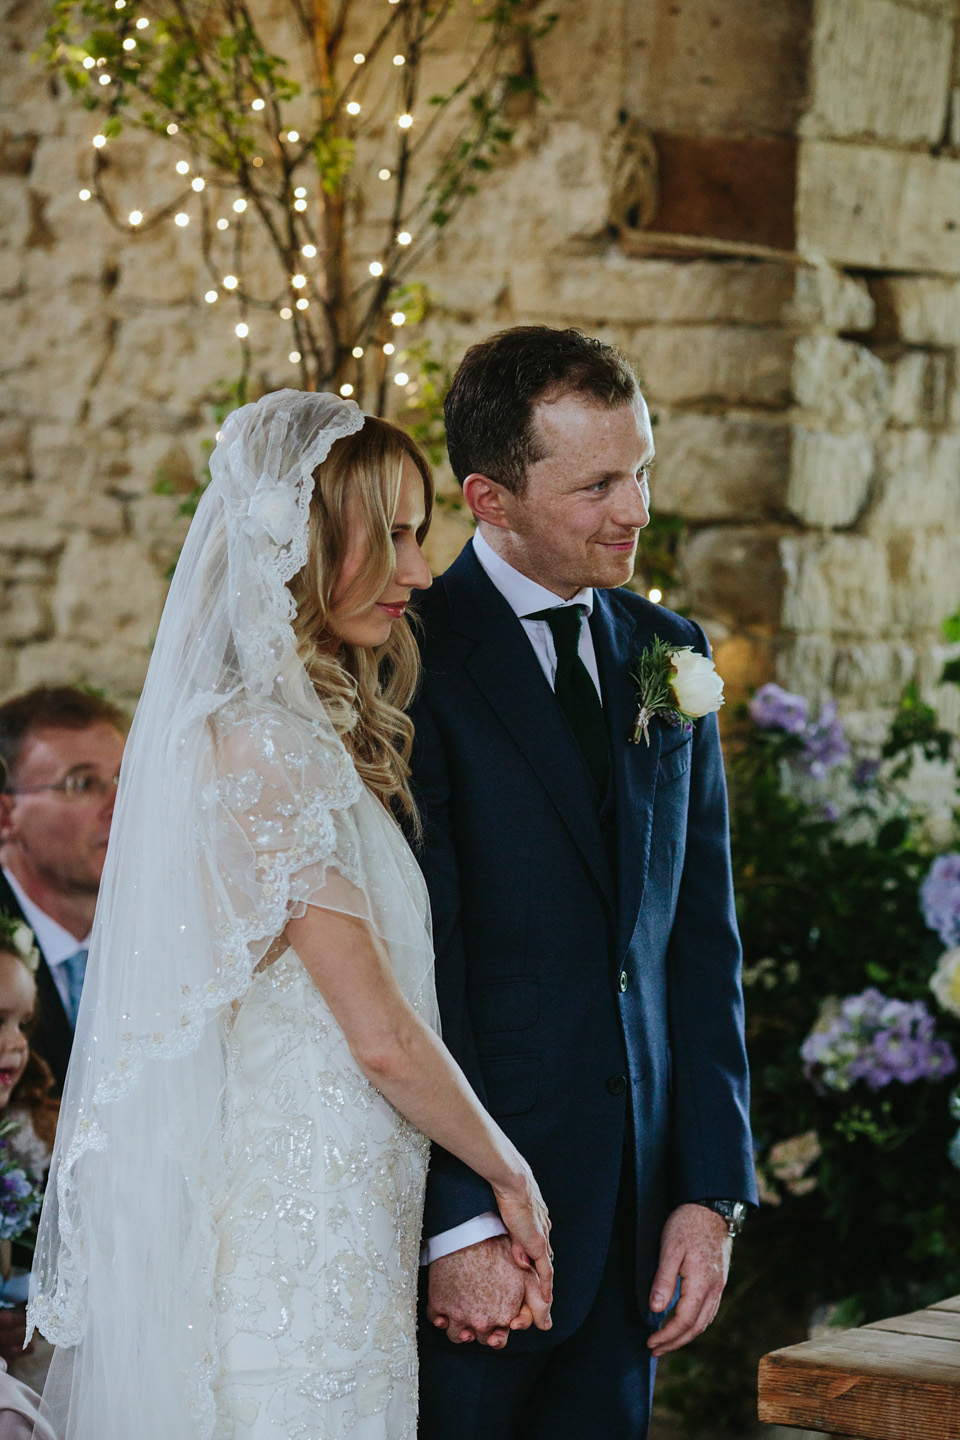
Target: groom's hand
[
  {"x": 478, "y": 1293},
  {"x": 694, "y": 1249}
]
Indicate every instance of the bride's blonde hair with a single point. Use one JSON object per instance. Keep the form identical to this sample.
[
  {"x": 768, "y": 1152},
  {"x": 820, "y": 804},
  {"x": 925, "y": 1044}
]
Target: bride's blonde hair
[{"x": 365, "y": 692}]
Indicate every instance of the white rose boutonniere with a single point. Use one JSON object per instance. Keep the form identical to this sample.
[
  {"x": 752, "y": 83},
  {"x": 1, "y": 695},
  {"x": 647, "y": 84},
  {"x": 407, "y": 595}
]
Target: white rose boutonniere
[{"x": 675, "y": 684}]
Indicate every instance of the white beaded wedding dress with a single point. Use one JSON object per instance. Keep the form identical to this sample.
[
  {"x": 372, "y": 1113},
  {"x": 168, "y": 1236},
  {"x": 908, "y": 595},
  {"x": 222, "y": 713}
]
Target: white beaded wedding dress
[
  {"x": 228, "y": 1247},
  {"x": 319, "y": 1225}
]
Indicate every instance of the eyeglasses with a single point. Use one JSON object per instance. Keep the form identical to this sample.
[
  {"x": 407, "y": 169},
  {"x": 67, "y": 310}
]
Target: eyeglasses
[{"x": 74, "y": 787}]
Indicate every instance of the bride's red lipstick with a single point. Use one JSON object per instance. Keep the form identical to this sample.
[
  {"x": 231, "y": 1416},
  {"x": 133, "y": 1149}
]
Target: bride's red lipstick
[{"x": 393, "y": 610}]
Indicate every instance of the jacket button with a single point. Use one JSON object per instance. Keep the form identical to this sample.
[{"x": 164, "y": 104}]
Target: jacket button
[
  {"x": 624, "y": 981},
  {"x": 616, "y": 1084}
]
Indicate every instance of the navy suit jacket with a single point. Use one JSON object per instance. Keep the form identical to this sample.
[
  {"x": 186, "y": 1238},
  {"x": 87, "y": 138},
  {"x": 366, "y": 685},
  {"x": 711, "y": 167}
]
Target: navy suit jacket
[
  {"x": 588, "y": 982},
  {"x": 52, "y": 1036}
]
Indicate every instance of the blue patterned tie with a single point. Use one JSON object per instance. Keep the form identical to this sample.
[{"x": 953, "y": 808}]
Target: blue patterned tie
[{"x": 75, "y": 967}]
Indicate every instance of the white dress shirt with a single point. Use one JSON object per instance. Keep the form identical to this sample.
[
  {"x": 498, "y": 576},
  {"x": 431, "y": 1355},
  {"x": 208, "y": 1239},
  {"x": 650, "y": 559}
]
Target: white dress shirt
[
  {"x": 525, "y": 597},
  {"x": 56, "y": 943}
]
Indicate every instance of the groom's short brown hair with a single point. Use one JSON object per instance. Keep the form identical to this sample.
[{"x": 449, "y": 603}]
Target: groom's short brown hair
[{"x": 489, "y": 408}]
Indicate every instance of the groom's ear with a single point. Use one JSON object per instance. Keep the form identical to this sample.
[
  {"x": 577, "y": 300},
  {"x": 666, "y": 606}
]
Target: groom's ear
[{"x": 486, "y": 499}]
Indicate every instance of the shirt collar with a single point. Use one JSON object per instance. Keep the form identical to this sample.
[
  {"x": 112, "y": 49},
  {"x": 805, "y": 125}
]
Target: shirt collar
[
  {"x": 523, "y": 595},
  {"x": 56, "y": 943}
]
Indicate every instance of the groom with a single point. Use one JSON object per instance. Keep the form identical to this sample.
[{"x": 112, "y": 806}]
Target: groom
[{"x": 587, "y": 952}]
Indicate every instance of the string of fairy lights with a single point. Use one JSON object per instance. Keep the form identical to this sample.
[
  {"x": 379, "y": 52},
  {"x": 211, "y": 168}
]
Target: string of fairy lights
[{"x": 298, "y": 283}]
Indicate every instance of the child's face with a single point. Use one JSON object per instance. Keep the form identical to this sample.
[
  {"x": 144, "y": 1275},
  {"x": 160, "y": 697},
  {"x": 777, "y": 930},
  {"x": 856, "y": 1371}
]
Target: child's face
[{"x": 18, "y": 996}]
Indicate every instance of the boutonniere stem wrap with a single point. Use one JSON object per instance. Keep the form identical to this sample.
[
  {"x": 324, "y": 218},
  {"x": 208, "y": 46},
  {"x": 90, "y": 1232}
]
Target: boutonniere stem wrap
[{"x": 674, "y": 684}]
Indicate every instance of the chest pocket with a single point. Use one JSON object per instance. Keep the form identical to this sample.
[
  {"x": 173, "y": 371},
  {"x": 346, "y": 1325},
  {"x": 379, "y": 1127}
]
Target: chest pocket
[{"x": 675, "y": 762}]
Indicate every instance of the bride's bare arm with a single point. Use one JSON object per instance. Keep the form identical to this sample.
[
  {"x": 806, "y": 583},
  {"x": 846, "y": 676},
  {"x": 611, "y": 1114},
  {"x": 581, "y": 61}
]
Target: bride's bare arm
[{"x": 412, "y": 1068}]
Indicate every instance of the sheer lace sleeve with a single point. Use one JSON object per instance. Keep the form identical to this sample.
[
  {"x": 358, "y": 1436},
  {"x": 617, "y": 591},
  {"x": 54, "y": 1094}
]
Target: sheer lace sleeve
[{"x": 280, "y": 803}]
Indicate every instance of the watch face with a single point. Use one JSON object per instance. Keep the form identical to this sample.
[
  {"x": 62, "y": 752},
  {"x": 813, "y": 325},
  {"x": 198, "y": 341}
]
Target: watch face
[{"x": 733, "y": 1211}]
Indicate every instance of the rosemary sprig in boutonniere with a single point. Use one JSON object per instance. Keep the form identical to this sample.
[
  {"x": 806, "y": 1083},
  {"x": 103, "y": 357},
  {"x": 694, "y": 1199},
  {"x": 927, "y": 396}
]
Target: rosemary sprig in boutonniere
[{"x": 675, "y": 684}]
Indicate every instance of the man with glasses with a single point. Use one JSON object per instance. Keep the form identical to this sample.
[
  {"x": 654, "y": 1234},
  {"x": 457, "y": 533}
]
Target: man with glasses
[{"x": 61, "y": 749}]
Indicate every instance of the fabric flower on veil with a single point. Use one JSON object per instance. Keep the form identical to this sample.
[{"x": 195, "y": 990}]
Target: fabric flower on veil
[{"x": 273, "y": 508}]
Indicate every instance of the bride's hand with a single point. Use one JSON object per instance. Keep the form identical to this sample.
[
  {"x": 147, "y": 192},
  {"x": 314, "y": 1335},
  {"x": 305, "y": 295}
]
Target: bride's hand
[{"x": 525, "y": 1216}]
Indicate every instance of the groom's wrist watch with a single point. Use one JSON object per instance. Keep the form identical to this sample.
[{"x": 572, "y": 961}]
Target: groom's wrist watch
[{"x": 734, "y": 1212}]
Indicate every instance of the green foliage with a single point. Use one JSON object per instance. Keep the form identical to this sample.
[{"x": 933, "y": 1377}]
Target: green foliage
[
  {"x": 658, "y": 550},
  {"x": 827, "y": 908}
]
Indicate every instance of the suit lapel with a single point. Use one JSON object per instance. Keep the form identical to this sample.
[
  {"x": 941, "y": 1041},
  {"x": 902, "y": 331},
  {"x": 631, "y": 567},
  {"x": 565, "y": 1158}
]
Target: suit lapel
[
  {"x": 618, "y": 638},
  {"x": 506, "y": 671}
]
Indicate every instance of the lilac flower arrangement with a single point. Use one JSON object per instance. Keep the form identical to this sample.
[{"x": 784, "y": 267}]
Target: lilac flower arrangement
[
  {"x": 940, "y": 898},
  {"x": 21, "y": 1194},
  {"x": 823, "y": 743},
  {"x": 773, "y": 708},
  {"x": 876, "y": 1040}
]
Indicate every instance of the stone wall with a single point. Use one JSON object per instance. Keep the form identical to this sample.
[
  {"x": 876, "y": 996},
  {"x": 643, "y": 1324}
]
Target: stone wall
[{"x": 760, "y": 203}]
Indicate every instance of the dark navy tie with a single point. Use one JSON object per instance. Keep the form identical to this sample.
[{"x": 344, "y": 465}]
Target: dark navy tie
[{"x": 576, "y": 691}]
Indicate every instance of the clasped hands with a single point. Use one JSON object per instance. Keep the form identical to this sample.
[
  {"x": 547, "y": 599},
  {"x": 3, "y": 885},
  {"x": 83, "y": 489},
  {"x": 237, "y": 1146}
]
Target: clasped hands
[{"x": 481, "y": 1293}]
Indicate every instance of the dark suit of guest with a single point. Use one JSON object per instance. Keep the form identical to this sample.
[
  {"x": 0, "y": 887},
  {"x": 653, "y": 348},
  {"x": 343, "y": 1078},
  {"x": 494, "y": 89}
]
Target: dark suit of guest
[
  {"x": 588, "y": 980},
  {"x": 52, "y": 1036}
]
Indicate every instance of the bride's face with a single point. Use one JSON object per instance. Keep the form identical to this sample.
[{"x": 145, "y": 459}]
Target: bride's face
[{"x": 369, "y": 622}]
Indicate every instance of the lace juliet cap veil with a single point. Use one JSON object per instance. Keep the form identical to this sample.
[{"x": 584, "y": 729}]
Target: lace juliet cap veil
[{"x": 237, "y": 805}]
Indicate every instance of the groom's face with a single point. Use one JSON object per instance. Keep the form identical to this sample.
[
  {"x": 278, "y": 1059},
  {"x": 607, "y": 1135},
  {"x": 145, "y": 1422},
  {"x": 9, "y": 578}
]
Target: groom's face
[{"x": 579, "y": 517}]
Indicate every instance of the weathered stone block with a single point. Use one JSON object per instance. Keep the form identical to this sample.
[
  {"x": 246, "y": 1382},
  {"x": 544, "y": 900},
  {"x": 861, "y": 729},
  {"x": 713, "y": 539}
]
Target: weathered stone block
[
  {"x": 878, "y": 68},
  {"x": 840, "y": 384},
  {"x": 717, "y": 69},
  {"x": 873, "y": 673},
  {"x": 734, "y": 574},
  {"x": 925, "y": 579},
  {"x": 918, "y": 309},
  {"x": 918, "y": 387},
  {"x": 836, "y": 584},
  {"x": 885, "y": 209},
  {"x": 806, "y": 666},
  {"x": 14, "y": 211},
  {"x": 711, "y": 467},
  {"x": 699, "y": 362},
  {"x": 26, "y": 614},
  {"x": 153, "y": 268},
  {"x": 12, "y": 267},
  {"x": 30, "y": 536},
  {"x": 918, "y": 483},
  {"x": 107, "y": 590},
  {"x": 826, "y": 298},
  {"x": 624, "y": 290},
  {"x": 14, "y": 450},
  {"x": 110, "y": 667},
  {"x": 829, "y": 476}
]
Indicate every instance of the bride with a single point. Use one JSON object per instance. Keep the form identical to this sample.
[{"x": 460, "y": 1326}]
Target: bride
[{"x": 229, "y": 1242}]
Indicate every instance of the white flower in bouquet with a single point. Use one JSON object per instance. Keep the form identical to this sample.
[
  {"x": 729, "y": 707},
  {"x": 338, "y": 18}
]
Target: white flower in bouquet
[
  {"x": 16, "y": 936},
  {"x": 696, "y": 684},
  {"x": 945, "y": 981}
]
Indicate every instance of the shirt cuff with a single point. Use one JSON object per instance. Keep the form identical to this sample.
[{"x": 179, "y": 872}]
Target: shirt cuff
[{"x": 471, "y": 1232}]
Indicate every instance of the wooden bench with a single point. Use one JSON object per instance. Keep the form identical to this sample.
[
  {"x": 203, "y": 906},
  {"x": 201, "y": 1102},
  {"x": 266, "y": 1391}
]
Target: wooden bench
[{"x": 896, "y": 1379}]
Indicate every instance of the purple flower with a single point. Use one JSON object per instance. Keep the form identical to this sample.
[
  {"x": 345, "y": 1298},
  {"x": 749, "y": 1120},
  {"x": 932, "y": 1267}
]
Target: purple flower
[
  {"x": 773, "y": 708},
  {"x": 830, "y": 812},
  {"x": 877, "y": 1040},
  {"x": 824, "y": 743},
  {"x": 940, "y": 898},
  {"x": 865, "y": 773}
]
